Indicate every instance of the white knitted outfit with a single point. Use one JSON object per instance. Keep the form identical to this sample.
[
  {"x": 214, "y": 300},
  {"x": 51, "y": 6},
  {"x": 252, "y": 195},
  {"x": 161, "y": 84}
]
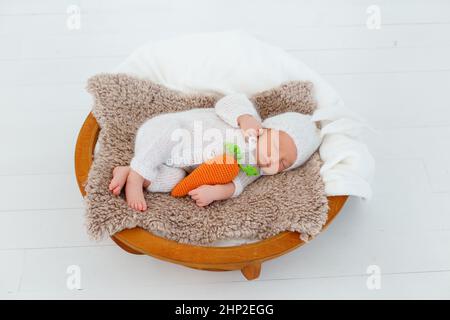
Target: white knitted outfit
[
  {"x": 159, "y": 158},
  {"x": 157, "y": 145}
]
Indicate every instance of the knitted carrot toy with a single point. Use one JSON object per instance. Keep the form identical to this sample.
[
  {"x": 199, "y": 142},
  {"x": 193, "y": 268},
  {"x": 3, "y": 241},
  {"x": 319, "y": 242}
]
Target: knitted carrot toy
[{"x": 219, "y": 170}]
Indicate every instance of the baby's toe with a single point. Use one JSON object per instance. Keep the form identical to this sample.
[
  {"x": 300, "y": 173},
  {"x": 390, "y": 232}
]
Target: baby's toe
[
  {"x": 114, "y": 184},
  {"x": 116, "y": 191}
]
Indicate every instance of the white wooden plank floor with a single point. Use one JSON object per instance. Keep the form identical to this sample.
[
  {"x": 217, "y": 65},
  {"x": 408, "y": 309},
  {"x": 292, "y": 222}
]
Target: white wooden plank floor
[{"x": 397, "y": 77}]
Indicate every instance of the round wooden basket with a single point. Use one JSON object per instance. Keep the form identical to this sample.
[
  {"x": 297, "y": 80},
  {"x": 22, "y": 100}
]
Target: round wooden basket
[{"x": 247, "y": 257}]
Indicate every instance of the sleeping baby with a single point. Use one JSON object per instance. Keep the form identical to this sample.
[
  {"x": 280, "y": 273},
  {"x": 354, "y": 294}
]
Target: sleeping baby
[{"x": 169, "y": 146}]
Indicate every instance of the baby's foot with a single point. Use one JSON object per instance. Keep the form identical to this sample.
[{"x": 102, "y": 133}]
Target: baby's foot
[
  {"x": 134, "y": 192},
  {"x": 120, "y": 175}
]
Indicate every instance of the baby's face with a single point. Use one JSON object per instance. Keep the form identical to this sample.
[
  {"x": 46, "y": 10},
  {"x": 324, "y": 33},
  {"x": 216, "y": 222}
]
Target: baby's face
[{"x": 275, "y": 151}]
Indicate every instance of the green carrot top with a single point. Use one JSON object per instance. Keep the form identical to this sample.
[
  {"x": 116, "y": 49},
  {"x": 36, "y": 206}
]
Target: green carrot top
[{"x": 235, "y": 151}]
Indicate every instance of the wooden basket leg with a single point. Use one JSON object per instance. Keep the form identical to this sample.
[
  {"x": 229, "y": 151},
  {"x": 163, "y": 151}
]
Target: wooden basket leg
[
  {"x": 125, "y": 247},
  {"x": 252, "y": 271}
]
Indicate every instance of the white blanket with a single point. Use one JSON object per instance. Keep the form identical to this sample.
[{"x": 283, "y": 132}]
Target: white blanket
[{"x": 234, "y": 61}]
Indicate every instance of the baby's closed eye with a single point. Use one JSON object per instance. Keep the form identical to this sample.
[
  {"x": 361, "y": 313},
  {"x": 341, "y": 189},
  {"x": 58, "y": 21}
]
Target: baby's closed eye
[{"x": 284, "y": 164}]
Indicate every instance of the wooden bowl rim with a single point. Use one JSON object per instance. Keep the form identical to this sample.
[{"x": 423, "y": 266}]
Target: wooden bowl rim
[{"x": 142, "y": 241}]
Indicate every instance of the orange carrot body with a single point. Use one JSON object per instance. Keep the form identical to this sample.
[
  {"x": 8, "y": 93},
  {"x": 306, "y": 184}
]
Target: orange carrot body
[{"x": 219, "y": 170}]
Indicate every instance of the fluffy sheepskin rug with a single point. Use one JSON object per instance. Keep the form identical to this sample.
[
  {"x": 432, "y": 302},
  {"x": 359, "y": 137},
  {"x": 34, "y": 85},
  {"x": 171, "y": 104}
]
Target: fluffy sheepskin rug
[{"x": 293, "y": 200}]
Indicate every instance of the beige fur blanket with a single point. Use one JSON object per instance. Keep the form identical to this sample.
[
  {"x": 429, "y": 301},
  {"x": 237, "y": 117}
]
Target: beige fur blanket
[{"x": 293, "y": 200}]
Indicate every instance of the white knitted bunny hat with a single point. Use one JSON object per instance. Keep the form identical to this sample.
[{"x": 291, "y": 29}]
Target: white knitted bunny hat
[{"x": 301, "y": 129}]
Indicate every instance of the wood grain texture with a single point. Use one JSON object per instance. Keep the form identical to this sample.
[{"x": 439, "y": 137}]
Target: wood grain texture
[{"x": 247, "y": 257}]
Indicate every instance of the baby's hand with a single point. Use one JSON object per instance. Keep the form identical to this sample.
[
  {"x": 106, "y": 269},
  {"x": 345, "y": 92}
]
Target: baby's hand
[
  {"x": 250, "y": 126},
  {"x": 206, "y": 194},
  {"x": 203, "y": 195}
]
